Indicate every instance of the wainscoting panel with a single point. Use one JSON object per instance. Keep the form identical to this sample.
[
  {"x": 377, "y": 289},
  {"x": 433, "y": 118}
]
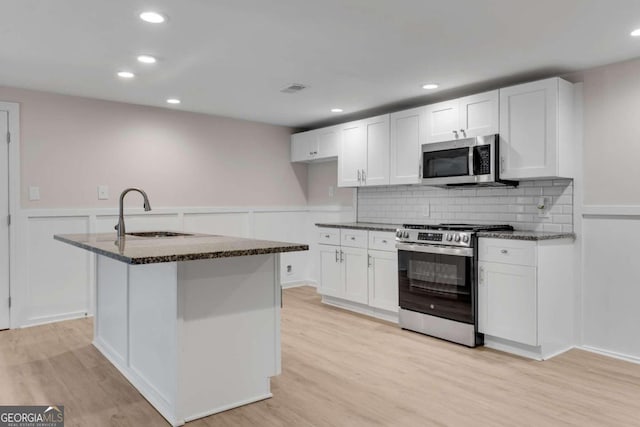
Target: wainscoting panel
[
  {"x": 54, "y": 281},
  {"x": 229, "y": 224},
  {"x": 57, "y": 275},
  {"x": 611, "y": 284}
]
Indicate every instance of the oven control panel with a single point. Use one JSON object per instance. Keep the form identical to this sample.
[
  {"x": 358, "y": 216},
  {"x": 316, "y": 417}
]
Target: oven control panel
[
  {"x": 439, "y": 237},
  {"x": 430, "y": 237}
]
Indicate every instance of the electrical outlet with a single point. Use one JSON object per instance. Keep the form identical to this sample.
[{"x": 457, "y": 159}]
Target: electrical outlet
[
  {"x": 34, "y": 193},
  {"x": 426, "y": 210},
  {"x": 543, "y": 207},
  {"x": 289, "y": 270},
  {"x": 103, "y": 192}
]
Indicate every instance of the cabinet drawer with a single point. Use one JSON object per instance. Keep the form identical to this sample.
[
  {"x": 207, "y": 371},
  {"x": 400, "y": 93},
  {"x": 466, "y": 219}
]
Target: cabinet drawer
[
  {"x": 329, "y": 236},
  {"x": 353, "y": 238},
  {"x": 517, "y": 252},
  {"x": 382, "y": 241}
]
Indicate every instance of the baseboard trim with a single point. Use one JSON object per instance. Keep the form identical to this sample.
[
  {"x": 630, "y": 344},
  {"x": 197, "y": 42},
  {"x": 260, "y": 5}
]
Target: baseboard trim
[
  {"x": 45, "y": 320},
  {"x": 297, "y": 284},
  {"x": 609, "y": 353},
  {"x": 360, "y": 309}
]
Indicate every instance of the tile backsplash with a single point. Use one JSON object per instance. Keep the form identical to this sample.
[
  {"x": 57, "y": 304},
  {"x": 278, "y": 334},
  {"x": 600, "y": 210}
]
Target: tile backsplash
[{"x": 490, "y": 205}]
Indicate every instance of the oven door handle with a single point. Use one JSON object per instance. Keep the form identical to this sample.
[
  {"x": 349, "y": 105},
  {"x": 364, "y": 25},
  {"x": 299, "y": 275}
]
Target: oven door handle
[{"x": 432, "y": 249}]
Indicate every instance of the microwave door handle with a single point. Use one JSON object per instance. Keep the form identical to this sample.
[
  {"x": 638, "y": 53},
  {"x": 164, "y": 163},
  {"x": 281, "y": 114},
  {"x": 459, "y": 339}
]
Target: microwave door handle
[{"x": 471, "y": 171}]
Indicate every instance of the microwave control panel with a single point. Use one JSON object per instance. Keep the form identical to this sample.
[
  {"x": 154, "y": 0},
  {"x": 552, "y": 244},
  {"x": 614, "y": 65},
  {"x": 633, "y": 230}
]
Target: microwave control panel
[{"x": 482, "y": 160}]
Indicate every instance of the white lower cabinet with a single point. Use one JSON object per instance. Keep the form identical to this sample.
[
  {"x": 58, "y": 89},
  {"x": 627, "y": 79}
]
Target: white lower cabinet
[
  {"x": 383, "y": 271},
  {"x": 509, "y": 307},
  {"x": 525, "y": 289},
  {"x": 357, "y": 278}
]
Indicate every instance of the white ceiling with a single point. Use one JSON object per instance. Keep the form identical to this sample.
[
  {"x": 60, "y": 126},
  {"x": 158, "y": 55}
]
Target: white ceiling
[{"x": 232, "y": 57}]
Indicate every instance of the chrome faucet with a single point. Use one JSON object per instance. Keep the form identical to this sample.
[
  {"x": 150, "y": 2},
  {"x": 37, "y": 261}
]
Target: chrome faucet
[{"x": 147, "y": 207}]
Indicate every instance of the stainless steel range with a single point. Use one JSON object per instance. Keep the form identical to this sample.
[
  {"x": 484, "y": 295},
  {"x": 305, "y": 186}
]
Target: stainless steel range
[{"x": 437, "y": 280}]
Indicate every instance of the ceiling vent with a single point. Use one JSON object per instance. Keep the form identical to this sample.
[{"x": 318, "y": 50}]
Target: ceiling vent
[{"x": 294, "y": 88}]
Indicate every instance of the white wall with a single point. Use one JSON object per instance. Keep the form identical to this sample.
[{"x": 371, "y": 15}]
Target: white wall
[{"x": 610, "y": 290}]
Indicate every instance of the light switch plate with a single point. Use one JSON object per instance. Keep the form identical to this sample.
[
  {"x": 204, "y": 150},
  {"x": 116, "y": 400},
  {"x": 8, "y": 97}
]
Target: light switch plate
[
  {"x": 34, "y": 193},
  {"x": 103, "y": 192}
]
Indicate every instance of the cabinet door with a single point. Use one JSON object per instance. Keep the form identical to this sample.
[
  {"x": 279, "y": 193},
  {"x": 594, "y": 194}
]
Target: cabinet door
[
  {"x": 330, "y": 271},
  {"x": 479, "y": 114},
  {"x": 352, "y": 158},
  {"x": 303, "y": 145},
  {"x": 507, "y": 302},
  {"x": 328, "y": 141},
  {"x": 528, "y": 130},
  {"x": 406, "y": 136},
  {"x": 383, "y": 280},
  {"x": 443, "y": 121},
  {"x": 354, "y": 276},
  {"x": 376, "y": 171}
]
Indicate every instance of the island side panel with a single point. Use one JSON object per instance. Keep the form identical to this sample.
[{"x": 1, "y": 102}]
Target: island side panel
[
  {"x": 229, "y": 332},
  {"x": 153, "y": 318},
  {"x": 111, "y": 327}
]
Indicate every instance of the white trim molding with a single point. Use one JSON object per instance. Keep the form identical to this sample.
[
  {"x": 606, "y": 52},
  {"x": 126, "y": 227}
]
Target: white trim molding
[
  {"x": 611, "y": 211},
  {"x": 615, "y": 355}
]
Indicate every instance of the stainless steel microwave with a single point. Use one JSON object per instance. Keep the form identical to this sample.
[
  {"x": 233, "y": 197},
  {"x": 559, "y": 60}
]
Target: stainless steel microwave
[{"x": 470, "y": 161}]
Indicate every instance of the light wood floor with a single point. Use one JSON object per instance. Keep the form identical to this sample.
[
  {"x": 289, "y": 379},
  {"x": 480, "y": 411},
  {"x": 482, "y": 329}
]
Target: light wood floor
[{"x": 339, "y": 369}]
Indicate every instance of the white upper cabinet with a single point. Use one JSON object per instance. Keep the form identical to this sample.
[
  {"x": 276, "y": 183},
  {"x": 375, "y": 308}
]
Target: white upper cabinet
[
  {"x": 443, "y": 121},
  {"x": 318, "y": 144},
  {"x": 467, "y": 117},
  {"x": 407, "y": 132},
  {"x": 364, "y": 153},
  {"x": 377, "y": 140},
  {"x": 536, "y": 130},
  {"x": 352, "y": 155},
  {"x": 479, "y": 114}
]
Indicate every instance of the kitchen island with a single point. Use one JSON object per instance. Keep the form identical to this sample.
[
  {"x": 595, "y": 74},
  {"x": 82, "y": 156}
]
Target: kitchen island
[{"x": 192, "y": 321}]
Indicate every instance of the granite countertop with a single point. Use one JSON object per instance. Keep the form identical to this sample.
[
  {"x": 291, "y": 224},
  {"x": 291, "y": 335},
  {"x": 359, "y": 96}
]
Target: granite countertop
[
  {"x": 371, "y": 226},
  {"x": 149, "y": 250},
  {"x": 526, "y": 235}
]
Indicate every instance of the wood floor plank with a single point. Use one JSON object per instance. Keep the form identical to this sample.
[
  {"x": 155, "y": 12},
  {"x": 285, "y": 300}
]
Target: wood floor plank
[{"x": 339, "y": 369}]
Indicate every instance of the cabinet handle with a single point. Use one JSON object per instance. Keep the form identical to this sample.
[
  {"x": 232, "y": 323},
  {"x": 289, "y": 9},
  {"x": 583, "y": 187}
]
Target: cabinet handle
[
  {"x": 359, "y": 179},
  {"x": 327, "y": 236},
  {"x": 384, "y": 241},
  {"x": 353, "y": 238},
  {"x": 504, "y": 251},
  {"x": 341, "y": 256},
  {"x": 364, "y": 176},
  {"x": 455, "y": 133},
  {"x": 481, "y": 275},
  {"x": 337, "y": 256},
  {"x": 463, "y": 132},
  {"x": 369, "y": 260},
  {"x": 501, "y": 164}
]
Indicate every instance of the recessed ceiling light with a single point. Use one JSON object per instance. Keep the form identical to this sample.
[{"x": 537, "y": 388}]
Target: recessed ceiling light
[
  {"x": 126, "y": 74},
  {"x": 430, "y": 86},
  {"x": 147, "y": 59},
  {"x": 153, "y": 17},
  {"x": 337, "y": 110},
  {"x": 173, "y": 101},
  {"x": 636, "y": 32}
]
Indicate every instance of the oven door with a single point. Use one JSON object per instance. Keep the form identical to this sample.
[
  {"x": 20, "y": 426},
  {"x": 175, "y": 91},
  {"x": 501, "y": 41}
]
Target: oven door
[{"x": 438, "y": 281}]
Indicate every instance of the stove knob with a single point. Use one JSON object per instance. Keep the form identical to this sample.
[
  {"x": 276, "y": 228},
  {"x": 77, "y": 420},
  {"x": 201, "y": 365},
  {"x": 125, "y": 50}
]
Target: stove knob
[
  {"x": 406, "y": 234},
  {"x": 398, "y": 233},
  {"x": 465, "y": 238},
  {"x": 457, "y": 237},
  {"x": 449, "y": 237}
]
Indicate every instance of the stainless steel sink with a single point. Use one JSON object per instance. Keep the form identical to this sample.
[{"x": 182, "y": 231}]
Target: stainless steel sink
[{"x": 158, "y": 234}]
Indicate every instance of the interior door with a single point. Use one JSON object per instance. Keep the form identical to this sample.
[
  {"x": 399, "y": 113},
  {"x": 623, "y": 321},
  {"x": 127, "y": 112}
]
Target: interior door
[{"x": 4, "y": 226}]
